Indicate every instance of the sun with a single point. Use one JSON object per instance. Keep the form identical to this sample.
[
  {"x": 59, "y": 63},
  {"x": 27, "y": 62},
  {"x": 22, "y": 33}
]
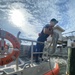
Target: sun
[{"x": 17, "y": 17}]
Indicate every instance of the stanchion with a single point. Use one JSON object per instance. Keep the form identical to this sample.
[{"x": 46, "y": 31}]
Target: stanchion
[
  {"x": 17, "y": 63},
  {"x": 69, "y": 57},
  {"x": 32, "y": 54}
]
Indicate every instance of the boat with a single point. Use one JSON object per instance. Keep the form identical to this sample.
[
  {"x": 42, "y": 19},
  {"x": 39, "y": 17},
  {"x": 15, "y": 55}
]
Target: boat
[
  {"x": 37, "y": 69},
  {"x": 17, "y": 66}
]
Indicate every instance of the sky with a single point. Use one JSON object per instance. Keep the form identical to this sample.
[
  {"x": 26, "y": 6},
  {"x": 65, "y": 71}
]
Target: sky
[{"x": 30, "y": 16}]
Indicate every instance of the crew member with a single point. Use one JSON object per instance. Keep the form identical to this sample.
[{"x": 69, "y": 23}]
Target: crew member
[{"x": 46, "y": 31}]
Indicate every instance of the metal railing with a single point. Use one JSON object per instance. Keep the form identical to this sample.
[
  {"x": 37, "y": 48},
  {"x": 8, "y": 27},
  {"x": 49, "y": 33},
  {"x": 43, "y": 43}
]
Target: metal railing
[
  {"x": 32, "y": 52},
  {"x": 68, "y": 32},
  {"x": 32, "y": 41}
]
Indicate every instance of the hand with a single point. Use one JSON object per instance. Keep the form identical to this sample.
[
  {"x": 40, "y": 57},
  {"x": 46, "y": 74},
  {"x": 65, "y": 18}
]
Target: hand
[{"x": 51, "y": 30}]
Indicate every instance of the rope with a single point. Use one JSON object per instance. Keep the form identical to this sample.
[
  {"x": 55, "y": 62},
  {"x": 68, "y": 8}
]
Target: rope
[{"x": 49, "y": 58}]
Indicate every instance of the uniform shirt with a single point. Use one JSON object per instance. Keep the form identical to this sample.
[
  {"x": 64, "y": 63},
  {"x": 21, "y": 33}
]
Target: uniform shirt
[{"x": 43, "y": 37}]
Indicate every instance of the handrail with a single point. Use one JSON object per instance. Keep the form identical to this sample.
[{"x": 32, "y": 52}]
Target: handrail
[
  {"x": 32, "y": 48},
  {"x": 68, "y": 32},
  {"x": 31, "y": 40}
]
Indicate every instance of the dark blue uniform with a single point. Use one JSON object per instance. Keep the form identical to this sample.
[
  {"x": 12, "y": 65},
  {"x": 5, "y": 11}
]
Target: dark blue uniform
[{"x": 42, "y": 38}]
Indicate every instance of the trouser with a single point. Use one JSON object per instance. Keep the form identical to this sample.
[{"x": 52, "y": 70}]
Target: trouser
[
  {"x": 2, "y": 48},
  {"x": 39, "y": 48}
]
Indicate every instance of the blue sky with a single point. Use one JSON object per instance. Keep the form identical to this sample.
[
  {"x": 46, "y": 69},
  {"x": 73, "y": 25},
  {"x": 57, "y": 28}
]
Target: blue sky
[{"x": 29, "y": 16}]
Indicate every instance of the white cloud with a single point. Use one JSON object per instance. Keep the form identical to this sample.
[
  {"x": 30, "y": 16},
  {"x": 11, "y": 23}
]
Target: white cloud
[
  {"x": 44, "y": 10},
  {"x": 70, "y": 12},
  {"x": 19, "y": 18}
]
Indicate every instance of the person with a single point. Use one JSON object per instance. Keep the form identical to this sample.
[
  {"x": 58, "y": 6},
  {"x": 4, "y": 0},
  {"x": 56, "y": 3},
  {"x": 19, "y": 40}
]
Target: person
[{"x": 46, "y": 31}]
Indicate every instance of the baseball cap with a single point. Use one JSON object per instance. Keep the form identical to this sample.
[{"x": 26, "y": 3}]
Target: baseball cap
[{"x": 54, "y": 20}]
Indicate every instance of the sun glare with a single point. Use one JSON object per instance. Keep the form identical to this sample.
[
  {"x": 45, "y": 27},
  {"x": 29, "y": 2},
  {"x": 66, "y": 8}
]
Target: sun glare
[{"x": 17, "y": 17}]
